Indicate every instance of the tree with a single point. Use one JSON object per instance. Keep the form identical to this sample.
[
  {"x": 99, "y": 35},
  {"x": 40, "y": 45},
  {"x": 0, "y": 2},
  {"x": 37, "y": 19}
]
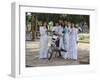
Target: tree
[{"x": 34, "y": 18}]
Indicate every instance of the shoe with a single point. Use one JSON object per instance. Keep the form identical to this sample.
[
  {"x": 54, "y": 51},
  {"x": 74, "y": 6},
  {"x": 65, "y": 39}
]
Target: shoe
[{"x": 63, "y": 50}]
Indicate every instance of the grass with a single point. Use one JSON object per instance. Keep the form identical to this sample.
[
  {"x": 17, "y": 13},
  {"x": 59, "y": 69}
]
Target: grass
[{"x": 84, "y": 38}]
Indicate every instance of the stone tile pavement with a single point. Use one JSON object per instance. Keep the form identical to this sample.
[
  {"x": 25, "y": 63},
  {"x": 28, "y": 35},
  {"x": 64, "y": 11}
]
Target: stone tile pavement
[{"x": 32, "y": 56}]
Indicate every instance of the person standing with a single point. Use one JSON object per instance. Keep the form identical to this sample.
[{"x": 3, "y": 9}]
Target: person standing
[
  {"x": 69, "y": 41},
  {"x": 73, "y": 43},
  {"x": 66, "y": 40},
  {"x": 43, "y": 41}
]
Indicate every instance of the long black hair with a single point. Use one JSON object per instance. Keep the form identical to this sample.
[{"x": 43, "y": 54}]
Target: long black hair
[
  {"x": 46, "y": 25},
  {"x": 62, "y": 24},
  {"x": 74, "y": 25},
  {"x": 56, "y": 22}
]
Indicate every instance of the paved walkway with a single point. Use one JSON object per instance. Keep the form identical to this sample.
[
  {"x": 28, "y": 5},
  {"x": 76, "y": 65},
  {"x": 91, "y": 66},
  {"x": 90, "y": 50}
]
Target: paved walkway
[{"x": 32, "y": 56}]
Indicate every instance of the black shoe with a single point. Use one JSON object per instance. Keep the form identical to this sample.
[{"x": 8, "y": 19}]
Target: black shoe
[{"x": 63, "y": 50}]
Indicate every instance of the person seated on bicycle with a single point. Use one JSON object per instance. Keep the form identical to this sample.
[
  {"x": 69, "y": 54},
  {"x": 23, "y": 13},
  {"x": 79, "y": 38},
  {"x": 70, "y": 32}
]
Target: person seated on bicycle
[
  {"x": 55, "y": 31},
  {"x": 58, "y": 30}
]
